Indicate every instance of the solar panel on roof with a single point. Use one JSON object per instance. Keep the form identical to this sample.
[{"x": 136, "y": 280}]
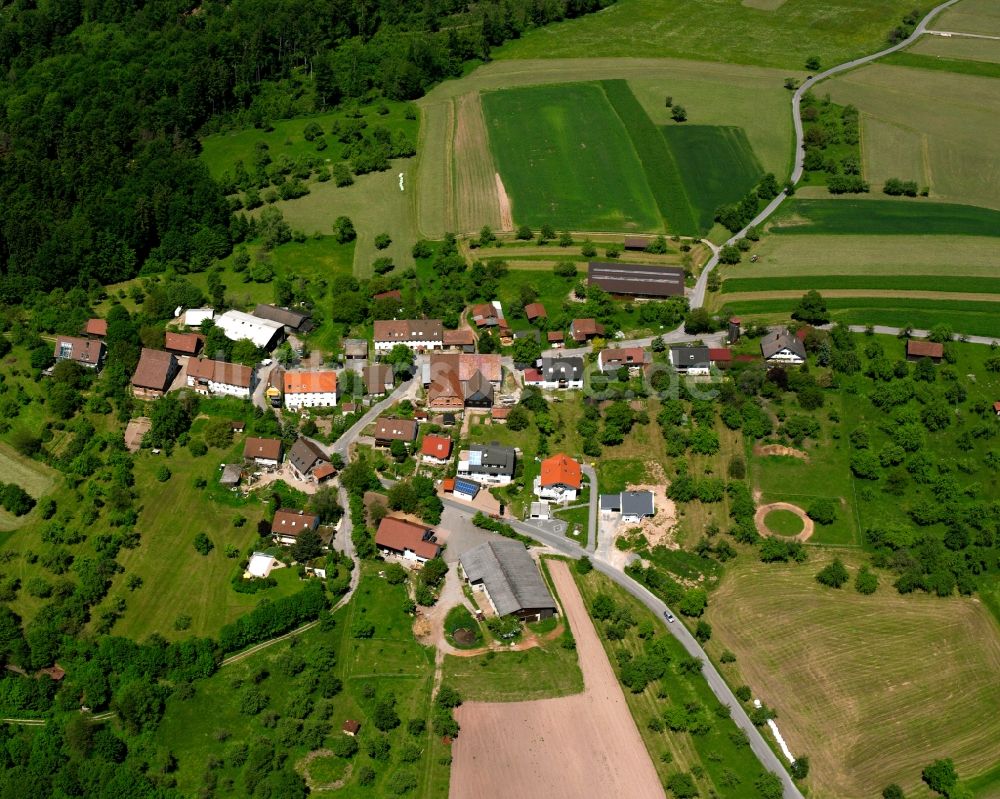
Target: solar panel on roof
[
  {"x": 475, "y": 457},
  {"x": 466, "y": 487}
]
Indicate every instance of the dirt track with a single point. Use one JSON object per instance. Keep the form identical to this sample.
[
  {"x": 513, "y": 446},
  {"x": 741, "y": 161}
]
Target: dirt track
[
  {"x": 807, "y": 523},
  {"x": 575, "y": 746}
]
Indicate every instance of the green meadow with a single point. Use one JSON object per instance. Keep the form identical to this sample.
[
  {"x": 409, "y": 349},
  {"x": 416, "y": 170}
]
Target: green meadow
[
  {"x": 969, "y": 317},
  {"x": 718, "y": 30},
  {"x": 567, "y": 159},
  {"x": 884, "y": 218},
  {"x": 979, "y": 285}
]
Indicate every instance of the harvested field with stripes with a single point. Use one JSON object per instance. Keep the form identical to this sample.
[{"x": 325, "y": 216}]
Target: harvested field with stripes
[{"x": 890, "y": 684}]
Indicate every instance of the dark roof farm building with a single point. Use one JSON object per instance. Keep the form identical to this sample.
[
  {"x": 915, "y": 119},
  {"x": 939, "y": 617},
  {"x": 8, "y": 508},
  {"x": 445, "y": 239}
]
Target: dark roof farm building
[
  {"x": 505, "y": 572},
  {"x": 637, "y": 280}
]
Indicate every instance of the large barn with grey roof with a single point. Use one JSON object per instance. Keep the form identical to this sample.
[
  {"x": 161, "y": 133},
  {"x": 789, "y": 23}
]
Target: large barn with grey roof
[
  {"x": 637, "y": 280},
  {"x": 505, "y": 572}
]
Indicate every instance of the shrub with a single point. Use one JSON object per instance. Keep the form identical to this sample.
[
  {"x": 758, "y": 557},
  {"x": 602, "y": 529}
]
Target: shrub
[
  {"x": 833, "y": 574},
  {"x": 823, "y": 511},
  {"x": 866, "y": 582},
  {"x": 163, "y": 474},
  {"x": 203, "y": 544}
]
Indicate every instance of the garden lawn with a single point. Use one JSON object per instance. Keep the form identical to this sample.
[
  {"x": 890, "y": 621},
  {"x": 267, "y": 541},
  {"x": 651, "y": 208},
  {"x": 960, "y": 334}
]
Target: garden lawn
[
  {"x": 718, "y": 30},
  {"x": 616, "y": 475},
  {"x": 568, "y": 136},
  {"x": 783, "y": 522},
  {"x": 34, "y": 477}
]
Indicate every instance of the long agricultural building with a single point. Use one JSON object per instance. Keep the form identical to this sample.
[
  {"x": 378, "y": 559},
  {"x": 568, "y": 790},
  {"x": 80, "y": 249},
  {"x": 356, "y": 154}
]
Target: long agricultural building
[{"x": 637, "y": 280}]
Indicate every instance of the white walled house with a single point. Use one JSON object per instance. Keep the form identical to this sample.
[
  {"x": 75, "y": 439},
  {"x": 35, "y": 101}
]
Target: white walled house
[
  {"x": 560, "y": 480},
  {"x": 210, "y": 377},
  {"x": 313, "y": 389},
  {"x": 420, "y": 335},
  {"x": 781, "y": 347}
]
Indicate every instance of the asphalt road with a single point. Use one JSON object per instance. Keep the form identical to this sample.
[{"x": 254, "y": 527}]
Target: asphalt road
[{"x": 595, "y": 499}]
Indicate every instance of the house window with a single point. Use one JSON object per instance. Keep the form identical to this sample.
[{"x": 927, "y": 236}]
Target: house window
[{"x": 65, "y": 350}]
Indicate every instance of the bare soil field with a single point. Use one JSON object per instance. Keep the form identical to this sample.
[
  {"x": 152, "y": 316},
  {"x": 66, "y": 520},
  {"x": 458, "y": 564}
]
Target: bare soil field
[
  {"x": 476, "y": 202},
  {"x": 873, "y": 688},
  {"x": 566, "y": 748}
]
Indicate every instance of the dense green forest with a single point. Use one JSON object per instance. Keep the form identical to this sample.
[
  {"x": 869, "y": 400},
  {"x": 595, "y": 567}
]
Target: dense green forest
[{"x": 103, "y": 103}]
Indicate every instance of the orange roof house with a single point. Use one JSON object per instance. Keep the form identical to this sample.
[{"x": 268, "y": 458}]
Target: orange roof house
[
  {"x": 436, "y": 448},
  {"x": 313, "y": 382},
  {"x": 561, "y": 470}
]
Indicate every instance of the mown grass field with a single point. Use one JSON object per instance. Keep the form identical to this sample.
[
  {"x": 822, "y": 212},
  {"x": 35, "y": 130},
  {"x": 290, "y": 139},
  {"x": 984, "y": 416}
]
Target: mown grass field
[
  {"x": 986, "y": 69},
  {"x": 717, "y": 754},
  {"x": 221, "y": 151},
  {"x": 957, "y": 48},
  {"x": 971, "y": 16},
  {"x": 374, "y": 204},
  {"x": 949, "y": 124},
  {"x": 886, "y": 682},
  {"x": 539, "y": 673},
  {"x": 567, "y": 160},
  {"x": 176, "y": 579},
  {"x": 34, "y": 477},
  {"x": 980, "y": 285},
  {"x": 964, "y": 316},
  {"x": 191, "y": 728},
  {"x": 884, "y": 218},
  {"x": 453, "y": 157},
  {"x": 783, "y": 522},
  {"x": 717, "y": 30}
]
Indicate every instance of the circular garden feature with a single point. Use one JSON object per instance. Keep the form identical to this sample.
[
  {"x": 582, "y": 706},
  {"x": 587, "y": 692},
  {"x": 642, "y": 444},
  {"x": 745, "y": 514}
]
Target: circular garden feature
[{"x": 784, "y": 522}]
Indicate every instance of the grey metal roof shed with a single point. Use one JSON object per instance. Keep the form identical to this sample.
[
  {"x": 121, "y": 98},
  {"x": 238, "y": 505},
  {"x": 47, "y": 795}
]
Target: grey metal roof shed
[{"x": 510, "y": 576}]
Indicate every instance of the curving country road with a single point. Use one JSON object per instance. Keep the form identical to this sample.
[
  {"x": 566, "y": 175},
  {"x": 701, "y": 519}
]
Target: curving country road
[{"x": 698, "y": 295}]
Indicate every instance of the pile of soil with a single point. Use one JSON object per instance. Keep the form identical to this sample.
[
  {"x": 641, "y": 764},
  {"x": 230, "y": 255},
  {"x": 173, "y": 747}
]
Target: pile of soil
[{"x": 464, "y": 637}]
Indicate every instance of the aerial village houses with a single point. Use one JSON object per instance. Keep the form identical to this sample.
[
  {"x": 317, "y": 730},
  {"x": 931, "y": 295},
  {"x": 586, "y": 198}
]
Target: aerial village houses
[
  {"x": 555, "y": 374},
  {"x": 781, "y": 347},
  {"x": 377, "y": 378},
  {"x": 435, "y": 450},
  {"x": 288, "y": 525},
  {"x": 263, "y": 451},
  {"x": 637, "y": 280},
  {"x": 458, "y": 380},
  {"x": 181, "y": 343},
  {"x": 632, "y": 358},
  {"x": 556, "y": 339},
  {"x": 388, "y": 429},
  {"x": 355, "y": 349},
  {"x": 488, "y": 464},
  {"x": 153, "y": 374},
  {"x": 534, "y": 311},
  {"x": 210, "y": 377},
  {"x": 96, "y": 328},
  {"x": 690, "y": 359},
  {"x": 263, "y": 333},
  {"x": 917, "y": 350},
  {"x": 560, "y": 480},
  {"x": 585, "y": 329},
  {"x": 88, "y": 352},
  {"x": 504, "y": 572},
  {"x": 632, "y": 505},
  {"x": 291, "y": 321},
  {"x": 304, "y": 457},
  {"x": 419, "y": 335},
  {"x": 488, "y": 314},
  {"x": 409, "y": 541},
  {"x": 461, "y": 340},
  {"x": 310, "y": 389}
]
